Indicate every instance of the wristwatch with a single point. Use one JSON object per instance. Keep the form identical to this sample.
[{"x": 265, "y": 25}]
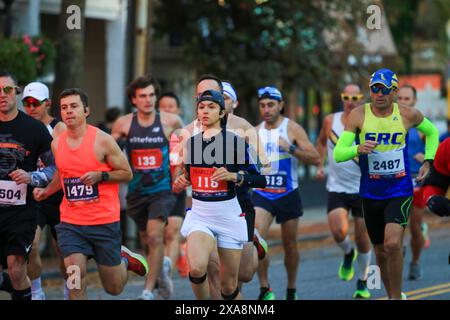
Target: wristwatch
[
  {"x": 105, "y": 176},
  {"x": 292, "y": 148},
  {"x": 239, "y": 179}
]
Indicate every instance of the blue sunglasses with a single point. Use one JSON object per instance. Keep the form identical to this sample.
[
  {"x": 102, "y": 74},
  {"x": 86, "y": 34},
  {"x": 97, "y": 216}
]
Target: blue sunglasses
[{"x": 383, "y": 89}]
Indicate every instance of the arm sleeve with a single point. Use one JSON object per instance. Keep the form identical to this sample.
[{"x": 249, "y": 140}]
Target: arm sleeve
[
  {"x": 344, "y": 149},
  {"x": 432, "y": 137},
  {"x": 42, "y": 178}
]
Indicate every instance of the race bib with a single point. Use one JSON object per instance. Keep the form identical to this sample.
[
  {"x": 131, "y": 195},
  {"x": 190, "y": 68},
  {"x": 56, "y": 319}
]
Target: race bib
[
  {"x": 386, "y": 165},
  {"x": 146, "y": 159},
  {"x": 276, "y": 183},
  {"x": 77, "y": 192},
  {"x": 12, "y": 194},
  {"x": 201, "y": 181}
]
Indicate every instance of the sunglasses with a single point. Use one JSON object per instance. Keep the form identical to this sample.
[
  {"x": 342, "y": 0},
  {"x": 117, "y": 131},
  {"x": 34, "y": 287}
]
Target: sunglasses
[
  {"x": 269, "y": 92},
  {"x": 7, "y": 90},
  {"x": 348, "y": 97},
  {"x": 32, "y": 102},
  {"x": 383, "y": 89}
]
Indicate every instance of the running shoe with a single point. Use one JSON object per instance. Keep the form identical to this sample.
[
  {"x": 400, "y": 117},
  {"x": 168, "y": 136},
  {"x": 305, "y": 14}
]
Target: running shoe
[
  {"x": 40, "y": 295},
  {"x": 182, "y": 264},
  {"x": 361, "y": 291},
  {"x": 291, "y": 296},
  {"x": 415, "y": 271},
  {"x": 266, "y": 294},
  {"x": 146, "y": 295},
  {"x": 136, "y": 262},
  {"x": 426, "y": 238},
  {"x": 164, "y": 280},
  {"x": 346, "y": 269},
  {"x": 260, "y": 244}
]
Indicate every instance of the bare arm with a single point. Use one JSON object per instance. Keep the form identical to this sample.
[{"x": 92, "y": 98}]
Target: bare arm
[
  {"x": 305, "y": 150},
  {"x": 110, "y": 153},
  {"x": 321, "y": 144},
  {"x": 54, "y": 185}
]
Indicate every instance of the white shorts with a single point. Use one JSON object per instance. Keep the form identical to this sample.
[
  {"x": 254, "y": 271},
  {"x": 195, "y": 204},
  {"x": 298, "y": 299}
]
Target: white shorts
[{"x": 222, "y": 220}]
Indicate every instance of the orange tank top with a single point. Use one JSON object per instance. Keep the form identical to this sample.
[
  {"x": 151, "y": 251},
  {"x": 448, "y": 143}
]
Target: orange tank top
[{"x": 85, "y": 205}]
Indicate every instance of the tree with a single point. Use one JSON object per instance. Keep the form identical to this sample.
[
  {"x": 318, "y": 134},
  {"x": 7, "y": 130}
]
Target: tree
[
  {"x": 256, "y": 43},
  {"x": 70, "y": 46}
]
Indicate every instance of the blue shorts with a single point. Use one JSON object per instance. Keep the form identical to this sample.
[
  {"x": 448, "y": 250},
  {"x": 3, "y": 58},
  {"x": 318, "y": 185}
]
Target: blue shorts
[
  {"x": 283, "y": 209},
  {"x": 101, "y": 242}
]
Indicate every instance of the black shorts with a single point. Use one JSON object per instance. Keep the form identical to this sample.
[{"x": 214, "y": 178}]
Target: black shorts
[
  {"x": 283, "y": 209},
  {"x": 48, "y": 214},
  {"x": 180, "y": 205},
  {"x": 346, "y": 201},
  {"x": 101, "y": 242},
  {"x": 378, "y": 213},
  {"x": 17, "y": 231},
  {"x": 155, "y": 206},
  {"x": 249, "y": 210}
]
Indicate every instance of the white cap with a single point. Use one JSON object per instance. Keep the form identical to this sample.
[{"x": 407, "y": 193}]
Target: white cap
[
  {"x": 36, "y": 90},
  {"x": 229, "y": 91}
]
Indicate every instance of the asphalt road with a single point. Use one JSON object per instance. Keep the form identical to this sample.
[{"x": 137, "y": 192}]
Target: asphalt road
[{"x": 317, "y": 277}]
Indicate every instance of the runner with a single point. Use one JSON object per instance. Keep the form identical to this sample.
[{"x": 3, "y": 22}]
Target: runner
[
  {"x": 216, "y": 218},
  {"x": 343, "y": 195},
  {"x": 149, "y": 199},
  {"x": 407, "y": 97},
  {"x": 37, "y": 103},
  {"x": 385, "y": 186},
  {"x": 285, "y": 142},
  {"x": 90, "y": 165},
  {"x": 256, "y": 247},
  {"x": 437, "y": 183},
  {"x": 174, "y": 247},
  {"x": 244, "y": 129},
  {"x": 22, "y": 141}
]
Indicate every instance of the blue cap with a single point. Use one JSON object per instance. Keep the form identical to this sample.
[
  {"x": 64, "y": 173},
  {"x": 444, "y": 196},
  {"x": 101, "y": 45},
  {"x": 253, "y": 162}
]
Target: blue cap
[
  {"x": 229, "y": 90},
  {"x": 385, "y": 77},
  {"x": 212, "y": 95},
  {"x": 269, "y": 93}
]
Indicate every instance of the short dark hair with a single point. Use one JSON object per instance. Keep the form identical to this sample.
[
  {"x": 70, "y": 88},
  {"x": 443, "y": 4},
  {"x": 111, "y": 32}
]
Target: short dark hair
[
  {"x": 141, "y": 83},
  {"x": 169, "y": 95},
  {"x": 414, "y": 90},
  {"x": 7, "y": 74},
  {"x": 112, "y": 114},
  {"x": 211, "y": 77},
  {"x": 75, "y": 92}
]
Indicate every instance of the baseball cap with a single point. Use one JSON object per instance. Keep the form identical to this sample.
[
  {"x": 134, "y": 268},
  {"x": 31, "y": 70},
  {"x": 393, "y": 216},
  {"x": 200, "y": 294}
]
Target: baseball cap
[
  {"x": 36, "y": 90},
  {"x": 229, "y": 91},
  {"x": 385, "y": 77},
  {"x": 269, "y": 93},
  {"x": 212, "y": 95}
]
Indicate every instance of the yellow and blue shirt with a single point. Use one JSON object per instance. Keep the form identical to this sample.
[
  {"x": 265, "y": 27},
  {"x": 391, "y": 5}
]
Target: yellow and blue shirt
[{"x": 385, "y": 173}]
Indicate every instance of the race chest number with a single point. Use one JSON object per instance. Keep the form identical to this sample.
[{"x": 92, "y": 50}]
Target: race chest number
[
  {"x": 77, "y": 192},
  {"x": 276, "y": 183},
  {"x": 386, "y": 165},
  {"x": 201, "y": 181},
  {"x": 146, "y": 159},
  {"x": 12, "y": 194}
]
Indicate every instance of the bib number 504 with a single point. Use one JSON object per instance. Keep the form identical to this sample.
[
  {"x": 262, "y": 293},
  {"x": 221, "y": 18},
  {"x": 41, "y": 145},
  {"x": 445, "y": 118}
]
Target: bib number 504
[{"x": 9, "y": 194}]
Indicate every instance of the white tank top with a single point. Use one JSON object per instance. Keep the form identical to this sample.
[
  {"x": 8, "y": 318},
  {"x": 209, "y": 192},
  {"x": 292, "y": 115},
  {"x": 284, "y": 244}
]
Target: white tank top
[
  {"x": 344, "y": 176},
  {"x": 283, "y": 178}
]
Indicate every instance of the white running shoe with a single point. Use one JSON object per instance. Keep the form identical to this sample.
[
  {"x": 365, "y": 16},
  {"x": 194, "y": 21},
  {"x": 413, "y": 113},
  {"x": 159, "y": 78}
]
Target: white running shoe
[
  {"x": 40, "y": 295},
  {"x": 164, "y": 280},
  {"x": 146, "y": 295}
]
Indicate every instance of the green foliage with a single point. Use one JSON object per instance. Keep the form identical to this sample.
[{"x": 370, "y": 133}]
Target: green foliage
[
  {"x": 255, "y": 43},
  {"x": 17, "y": 58},
  {"x": 28, "y": 58}
]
